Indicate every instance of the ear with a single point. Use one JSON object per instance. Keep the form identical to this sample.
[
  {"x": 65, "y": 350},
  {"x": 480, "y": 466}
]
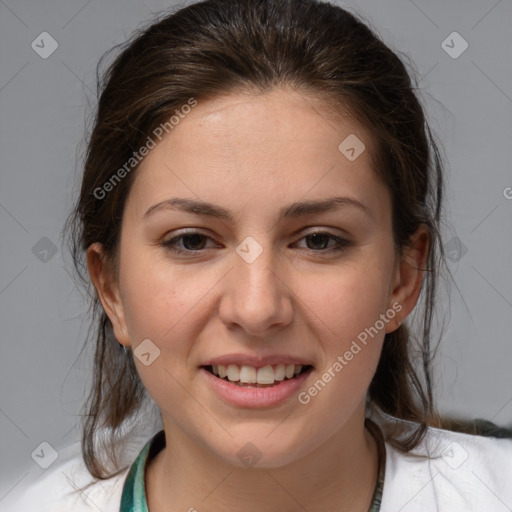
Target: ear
[
  {"x": 105, "y": 283},
  {"x": 408, "y": 277}
]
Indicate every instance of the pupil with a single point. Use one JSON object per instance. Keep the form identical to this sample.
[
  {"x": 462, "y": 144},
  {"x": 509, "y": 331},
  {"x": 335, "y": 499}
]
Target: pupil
[
  {"x": 195, "y": 237},
  {"x": 316, "y": 236}
]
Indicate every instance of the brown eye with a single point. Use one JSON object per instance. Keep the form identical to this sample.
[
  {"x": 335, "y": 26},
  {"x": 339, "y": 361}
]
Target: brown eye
[
  {"x": 189, "y": 242},
  {"x": 195, "y": 242},
  {"x": 319, "y": 242}
]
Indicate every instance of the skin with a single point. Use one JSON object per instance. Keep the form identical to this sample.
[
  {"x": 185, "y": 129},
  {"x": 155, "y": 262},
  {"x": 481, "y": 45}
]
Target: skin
[{"x": 253, "y": 154}]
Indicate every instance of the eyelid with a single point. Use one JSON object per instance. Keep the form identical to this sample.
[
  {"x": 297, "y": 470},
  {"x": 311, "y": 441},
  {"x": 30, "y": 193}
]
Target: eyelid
[
  {"x": 166, "y": 242},
  {"x": 343, "y": 242},
  {"x": 326, "y": 230}
]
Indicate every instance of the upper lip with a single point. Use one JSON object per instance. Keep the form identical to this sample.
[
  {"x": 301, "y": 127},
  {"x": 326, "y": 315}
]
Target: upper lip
[{"x": 256, "y": 361}]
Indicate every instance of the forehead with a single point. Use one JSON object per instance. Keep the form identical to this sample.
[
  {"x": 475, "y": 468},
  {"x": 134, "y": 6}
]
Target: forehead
[{"x": 261, "y": 149}]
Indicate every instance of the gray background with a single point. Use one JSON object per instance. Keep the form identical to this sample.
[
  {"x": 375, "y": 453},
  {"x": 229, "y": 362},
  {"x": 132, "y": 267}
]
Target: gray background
[{"x": 43, "y": 105}]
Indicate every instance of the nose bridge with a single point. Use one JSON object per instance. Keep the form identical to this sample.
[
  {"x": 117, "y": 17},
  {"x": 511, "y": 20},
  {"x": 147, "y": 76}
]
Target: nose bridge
[{"x": 256, "y": 297}]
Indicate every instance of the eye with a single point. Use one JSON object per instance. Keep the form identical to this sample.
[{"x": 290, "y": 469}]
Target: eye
[
  {"x": 194, "y": 242},
  {"x": 319, "y": 242}
]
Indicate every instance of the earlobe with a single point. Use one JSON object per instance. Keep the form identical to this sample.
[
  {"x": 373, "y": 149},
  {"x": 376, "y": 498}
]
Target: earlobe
[
  {"x": 108, "y": 291},
  {"x": 408, "y": 277}
]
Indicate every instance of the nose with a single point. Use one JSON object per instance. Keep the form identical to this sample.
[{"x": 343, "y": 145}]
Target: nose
[{"x": 257, "y": 297}]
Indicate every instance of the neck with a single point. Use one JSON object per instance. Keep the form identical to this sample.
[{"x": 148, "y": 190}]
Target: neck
[{"x": 340, "y": 475}]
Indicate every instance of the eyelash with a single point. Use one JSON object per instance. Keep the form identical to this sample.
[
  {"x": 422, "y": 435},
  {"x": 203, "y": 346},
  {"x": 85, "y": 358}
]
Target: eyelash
[{"x": 171, "y": 244}]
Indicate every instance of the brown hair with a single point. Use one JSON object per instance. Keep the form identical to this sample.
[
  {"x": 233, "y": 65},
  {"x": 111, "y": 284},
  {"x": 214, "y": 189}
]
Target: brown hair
[{"x": 220, "y": 46}]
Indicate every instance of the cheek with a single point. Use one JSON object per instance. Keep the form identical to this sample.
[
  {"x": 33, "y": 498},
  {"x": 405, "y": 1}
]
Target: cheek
[
  {"x": 349, "y": 299},
  {"x": 153, "y": 294},
  {"x": 345, "y": 308},
  {"x": 161, "y": 302}
]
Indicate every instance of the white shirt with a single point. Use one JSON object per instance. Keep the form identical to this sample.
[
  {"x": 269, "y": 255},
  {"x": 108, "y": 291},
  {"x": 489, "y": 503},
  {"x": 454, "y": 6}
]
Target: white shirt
[{"x": 466, "y": 473}]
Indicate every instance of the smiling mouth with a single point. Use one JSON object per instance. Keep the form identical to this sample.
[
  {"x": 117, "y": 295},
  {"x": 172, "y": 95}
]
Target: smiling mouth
[{"x": 266, "y": 377}]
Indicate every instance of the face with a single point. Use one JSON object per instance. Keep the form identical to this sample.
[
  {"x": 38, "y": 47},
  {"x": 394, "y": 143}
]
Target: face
[{"x": 253, "y": 285}]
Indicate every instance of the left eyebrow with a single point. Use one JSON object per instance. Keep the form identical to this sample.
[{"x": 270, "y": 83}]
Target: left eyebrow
[{"x": 295, "y": 210}]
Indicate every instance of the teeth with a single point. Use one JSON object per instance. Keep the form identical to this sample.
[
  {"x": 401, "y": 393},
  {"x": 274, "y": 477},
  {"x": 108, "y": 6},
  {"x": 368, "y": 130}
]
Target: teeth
[
  {"x": 290, "y": 371},
  {"x": 250, "y": 375},
  {"x": 233, "y": 372},
  {"x": 265, "y": 375},
  {"x": 280, "y": 372}
]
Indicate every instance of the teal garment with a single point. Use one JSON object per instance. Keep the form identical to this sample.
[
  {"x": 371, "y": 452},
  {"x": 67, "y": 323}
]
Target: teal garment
[{"x": 133, "y": 498}]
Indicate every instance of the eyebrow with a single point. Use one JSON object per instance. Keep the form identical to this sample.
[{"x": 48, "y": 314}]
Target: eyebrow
[{"x": 295, "y": 210}]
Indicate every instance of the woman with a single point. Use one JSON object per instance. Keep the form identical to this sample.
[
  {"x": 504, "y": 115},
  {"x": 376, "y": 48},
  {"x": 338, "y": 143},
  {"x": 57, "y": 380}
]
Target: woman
[{"x": 259, "y": 215}]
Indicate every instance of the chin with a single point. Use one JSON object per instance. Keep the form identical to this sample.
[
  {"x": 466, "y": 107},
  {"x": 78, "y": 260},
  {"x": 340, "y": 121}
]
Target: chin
[{"x": 258, "y": 450}]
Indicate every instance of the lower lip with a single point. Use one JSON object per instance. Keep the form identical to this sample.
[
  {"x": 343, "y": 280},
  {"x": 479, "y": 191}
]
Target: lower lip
[{"x": 256, "y": 397}]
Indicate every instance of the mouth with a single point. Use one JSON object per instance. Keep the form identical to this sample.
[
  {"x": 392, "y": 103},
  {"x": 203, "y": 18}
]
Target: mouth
[{"x": 264, "y": 377}]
